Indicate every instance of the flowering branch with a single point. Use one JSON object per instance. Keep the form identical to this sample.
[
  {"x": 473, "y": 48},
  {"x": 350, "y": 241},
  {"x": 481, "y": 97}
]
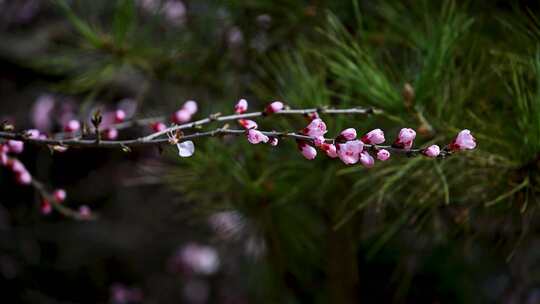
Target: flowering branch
[
  {"x": 143, "y": 141},
  {"x": 347, "y": 146},
  {"x": 55, "y": 200}
]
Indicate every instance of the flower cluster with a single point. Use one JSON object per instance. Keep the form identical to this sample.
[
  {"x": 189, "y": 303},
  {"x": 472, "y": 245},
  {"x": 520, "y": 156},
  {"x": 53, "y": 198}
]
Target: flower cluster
[
  {"x": 23, "y": 177},
  {"x": 255, "y": 136},
  {"x": 347, "y": 146}
]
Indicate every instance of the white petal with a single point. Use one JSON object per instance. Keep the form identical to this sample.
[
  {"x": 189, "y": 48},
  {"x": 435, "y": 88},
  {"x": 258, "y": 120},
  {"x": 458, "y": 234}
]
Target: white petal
[{"x": 186, "y": 148}]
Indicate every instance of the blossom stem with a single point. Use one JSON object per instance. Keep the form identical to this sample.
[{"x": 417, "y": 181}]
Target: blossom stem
[
  {"x": 62, "y": 209},
  {"x": 150, "y": 141}
]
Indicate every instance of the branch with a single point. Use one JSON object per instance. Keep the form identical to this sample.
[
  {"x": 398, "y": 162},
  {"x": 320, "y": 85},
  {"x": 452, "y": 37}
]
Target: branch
[
  {"x": 144, "y": 141},
  {"x": 62, "y": 209},
  {"x": 217, "y": 117}
]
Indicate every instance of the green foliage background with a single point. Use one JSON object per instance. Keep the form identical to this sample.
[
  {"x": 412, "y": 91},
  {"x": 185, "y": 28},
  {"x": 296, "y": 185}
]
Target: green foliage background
[{"x": 332, "y": 233}]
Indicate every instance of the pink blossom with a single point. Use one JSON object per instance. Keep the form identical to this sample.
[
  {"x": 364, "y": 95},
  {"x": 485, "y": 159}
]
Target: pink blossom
[
  {"x": 330, "y": 150},
  {"x": 273, "y": 141},
  {"x": 45, "y": 207},
  {"x": 374, "y": 137},
  {"x": 16, "y": 166},
  {"x": 383, "y": 155},
  {"x": 348, "y": 134},
  {"x": 274, "y": 107},
  {"x": 32, "y": 133},
  {"x": 185, "y": 148},
  {"x": 318, "y": 141},
  {"x": 59, "y": 195},
  {"x": 256, "y": 137},
  {"x": 241, "y": 106},
  {"x": 158, "y": 126},
  {"x": 41, "y": 112},
  {"x": 111, "y": 134},
  {"x": 181, "y": 116},
  {"x": 349, "y": 152},
  {"x": 175, "y": 12},
  {"x": 15, "y": 146},
  {"x": 121, "y": 294},
  {"x": 190, "y": 106},
  {"x": 24, "y": 178},
  {"x": 463, "y": 141},
  {"x": 199, "y": 259},
  {"x": 119, "y": 116},
  {"x": 248, "y": 124},
  {"x": 308, "y": 151},
  {"x": 432, "y": 151},
  {"x": 235, "y": 37},
  {"x": 72, "y": 126},
  {"x": 129, "y": 106},
  {"x": 85, "y": 212},
  {"x": 227, "y": 224},
  {"x": 405, "y": 138},
  {"x": 315, "y": 128},
  {"x": 366, "y": 159},
  {"x": 3, "y": 159}
]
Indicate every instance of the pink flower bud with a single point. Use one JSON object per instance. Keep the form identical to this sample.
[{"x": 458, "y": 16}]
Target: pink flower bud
[
  {"x": 3, "y": 159},
  {"x": 248, "y": 124},
  {"x": 15, "y": 146},
  {"x": 24, "y": 178},
  {"x": 185, "y": 148},
  {"x": 318, "y": 141},
  {"x": 274, "y": 107},
  {"x": 256, "y": 137},
  {"x": 241, "y": 106},
  {"x": 110, "y": 134},
  {"x": 59, "y": 195},
  {"x": 158, "y": 126},
  {"x": 463, "y": 141},
  {"x": 330, "y": 150},
  {"x": 72, "y": 126},
  {"x": 119, "y": 116},
  {"x": 181, "y": 116},
  {"x": 308, "y": 151},
  {"x": 348, "y": 134},
  {"x": 374, "y": 137},
  {"x": 432, "y": 151},
  {"x": 16, "y": 166},
  {"x": 273, "y": 141},
  {"x": 191, "y": 107},
  {"x": 85, "y": 212},
  {"x": 366, "y": 159},
  {"x": 349, "y": 152},
  {"x": 383, "y": 155},
  {"x": 405, "y": 138},
  {"x": 45, "y": 207},
  {"x": 32, "y": 133},
  {"x": 316, "y": 127}
]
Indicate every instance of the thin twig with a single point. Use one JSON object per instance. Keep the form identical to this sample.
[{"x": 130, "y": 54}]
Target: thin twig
[
  {"x": 216, "y": 117},
  {"x": 144, "y": 141},
  {"x": 62, "y": 209}
]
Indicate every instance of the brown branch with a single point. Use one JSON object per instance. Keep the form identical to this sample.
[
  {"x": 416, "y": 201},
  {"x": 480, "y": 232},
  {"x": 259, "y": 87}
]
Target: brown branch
[
  {"x": 62, "y": 209},
  {"x": 217, "y": 117},
  {"x": 143, "y": 141}
]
